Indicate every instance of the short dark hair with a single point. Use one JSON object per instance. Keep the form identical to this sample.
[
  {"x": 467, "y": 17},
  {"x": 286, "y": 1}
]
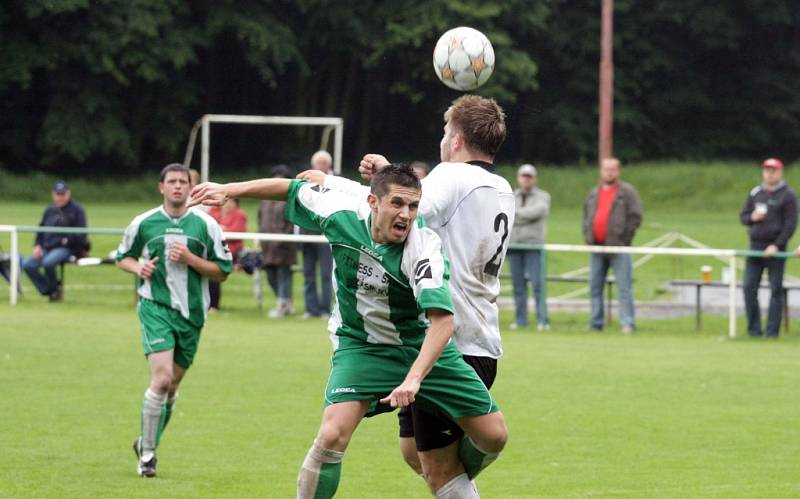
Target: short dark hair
[
  {"x": 395, "y": 174},
  {"x": 175, "y": 167},
  {"x": 481, "y": 121}
]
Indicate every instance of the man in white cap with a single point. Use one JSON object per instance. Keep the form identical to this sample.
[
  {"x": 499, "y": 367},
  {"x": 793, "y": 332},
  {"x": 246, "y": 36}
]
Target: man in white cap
[{"x": 530, "y": 227}]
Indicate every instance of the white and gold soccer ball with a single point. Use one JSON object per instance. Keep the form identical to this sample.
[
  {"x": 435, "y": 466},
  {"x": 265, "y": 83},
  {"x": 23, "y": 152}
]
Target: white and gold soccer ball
[{"x": 463, "y": 58}]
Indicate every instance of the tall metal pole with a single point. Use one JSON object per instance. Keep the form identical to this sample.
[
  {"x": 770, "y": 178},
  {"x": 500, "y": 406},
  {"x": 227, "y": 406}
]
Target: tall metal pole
[{"x": 606, "y": 129}]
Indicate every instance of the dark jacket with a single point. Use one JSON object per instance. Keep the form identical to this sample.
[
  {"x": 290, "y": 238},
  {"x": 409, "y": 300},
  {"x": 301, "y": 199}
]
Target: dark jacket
[
  {"x": 624, "y": 219},
  {"x": 781, "y": 220},
  {"x": 271, "y": 220},
  {"x": 71, "y": 215}
]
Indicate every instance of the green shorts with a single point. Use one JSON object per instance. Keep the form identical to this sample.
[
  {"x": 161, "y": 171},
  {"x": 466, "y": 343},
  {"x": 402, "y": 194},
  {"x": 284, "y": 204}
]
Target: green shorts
[
  {"x": 164, "y": 328},
  {"x": 371, "y": 372}
]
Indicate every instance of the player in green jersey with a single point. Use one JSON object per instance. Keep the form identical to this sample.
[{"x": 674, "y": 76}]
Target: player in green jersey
[
  {"x": 394, "y": 321},
  {"x": 174, "y": 251}
]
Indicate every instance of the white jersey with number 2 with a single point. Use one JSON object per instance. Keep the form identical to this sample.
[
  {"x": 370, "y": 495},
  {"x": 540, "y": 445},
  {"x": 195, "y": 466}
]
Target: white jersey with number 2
[{"x": 472, "y": 211}]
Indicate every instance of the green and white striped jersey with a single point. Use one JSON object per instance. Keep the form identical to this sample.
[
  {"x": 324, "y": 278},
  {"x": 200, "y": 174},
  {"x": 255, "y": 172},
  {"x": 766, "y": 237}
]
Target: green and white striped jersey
[
  {"x": 176, "y": 285},
  {"x": 382, "y": 290}
]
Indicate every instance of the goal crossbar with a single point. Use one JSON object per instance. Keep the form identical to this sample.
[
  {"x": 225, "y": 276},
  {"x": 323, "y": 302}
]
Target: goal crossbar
[{"x": 203, "y": 125}]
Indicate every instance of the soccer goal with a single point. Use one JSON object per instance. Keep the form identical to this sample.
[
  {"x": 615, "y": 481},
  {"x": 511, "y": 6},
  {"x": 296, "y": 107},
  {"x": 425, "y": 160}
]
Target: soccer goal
[{"x": 203, "y": 125}]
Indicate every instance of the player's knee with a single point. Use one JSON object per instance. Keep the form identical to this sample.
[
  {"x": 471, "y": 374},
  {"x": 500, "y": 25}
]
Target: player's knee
[
  {"x": 494, "y": 436},
  {"x": 161, "y": 381},
  {"x": 412, "y": 459},
  {"x": 333, "y": 436}
]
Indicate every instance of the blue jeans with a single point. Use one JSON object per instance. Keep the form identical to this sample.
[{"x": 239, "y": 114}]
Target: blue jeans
[
  {"x": 753, "y": 268},
  {"x": 623, "y": 275},
  {"x": 280, "y": 280},
  {"x": 526, "y": 266},
  {"x": 46, "y": 283},
  {"x": 317, "y": 255}
]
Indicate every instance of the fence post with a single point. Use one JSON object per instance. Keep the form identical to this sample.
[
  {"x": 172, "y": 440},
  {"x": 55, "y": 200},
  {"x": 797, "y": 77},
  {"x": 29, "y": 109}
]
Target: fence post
[
  {"x": 14, "y": 266},
  {"x": 543, "y": 284},
  {"x": 732, "y": 297}
]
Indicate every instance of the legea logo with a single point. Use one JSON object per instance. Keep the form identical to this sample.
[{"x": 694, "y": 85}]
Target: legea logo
[{"x": 372, "y": 253}]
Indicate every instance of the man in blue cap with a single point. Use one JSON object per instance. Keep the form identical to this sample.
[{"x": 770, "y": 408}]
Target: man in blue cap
[{"x": 51, "y": 248}]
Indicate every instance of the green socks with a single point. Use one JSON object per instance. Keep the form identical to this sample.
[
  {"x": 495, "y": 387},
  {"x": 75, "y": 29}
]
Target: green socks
[
  {"x": 319, "y": 475},
  {"x": 153, "y": 414},
  {"x": 473, "y": 458}
]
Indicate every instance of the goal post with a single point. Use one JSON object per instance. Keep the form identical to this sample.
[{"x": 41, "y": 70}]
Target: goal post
[{"x": 203, "y": 125}]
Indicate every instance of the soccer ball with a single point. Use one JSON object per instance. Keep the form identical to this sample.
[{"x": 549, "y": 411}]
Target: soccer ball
[{"x": 463, "y": 58}]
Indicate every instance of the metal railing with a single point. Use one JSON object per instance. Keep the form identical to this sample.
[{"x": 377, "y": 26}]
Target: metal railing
[{"x": 729, "y": 254}]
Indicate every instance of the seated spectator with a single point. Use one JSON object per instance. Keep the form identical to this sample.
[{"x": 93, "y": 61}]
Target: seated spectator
[
  {"x": 51, "y": 248},
  {"x": 231, "y": 218},
  {"x": 278, "y": 257}
]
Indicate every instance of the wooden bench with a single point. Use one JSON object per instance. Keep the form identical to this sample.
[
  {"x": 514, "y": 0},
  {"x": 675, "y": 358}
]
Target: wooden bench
[{"x": 88, "y": 261}]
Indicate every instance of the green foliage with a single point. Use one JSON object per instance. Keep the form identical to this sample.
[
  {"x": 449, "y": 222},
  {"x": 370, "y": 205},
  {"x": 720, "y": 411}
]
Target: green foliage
[{"x": 86, "y": 84}]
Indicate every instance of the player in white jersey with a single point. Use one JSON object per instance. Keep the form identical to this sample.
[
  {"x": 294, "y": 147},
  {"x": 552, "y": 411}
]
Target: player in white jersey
[
  {"x": 390, "y": 275},
  {"x": 472, "y": 210},
  {"x": 174, "y": 251}
]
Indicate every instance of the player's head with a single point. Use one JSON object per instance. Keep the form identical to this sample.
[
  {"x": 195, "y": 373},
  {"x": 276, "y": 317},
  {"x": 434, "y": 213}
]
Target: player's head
[
  {"x": 322, "y": 160},
  {"x": 175, "y": 184},
  {"x": 609, "y": 170},
  {"x": 394, "y": 199},
  {"x": 474, "y": 128}
]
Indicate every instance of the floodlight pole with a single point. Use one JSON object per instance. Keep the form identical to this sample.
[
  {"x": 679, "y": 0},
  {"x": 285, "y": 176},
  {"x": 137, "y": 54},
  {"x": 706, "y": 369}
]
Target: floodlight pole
[{"x": 606, "y": 121}]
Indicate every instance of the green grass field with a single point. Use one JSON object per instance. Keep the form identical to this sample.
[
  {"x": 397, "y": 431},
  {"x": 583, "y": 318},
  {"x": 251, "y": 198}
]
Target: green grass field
[{"x": 665, "y": 413}]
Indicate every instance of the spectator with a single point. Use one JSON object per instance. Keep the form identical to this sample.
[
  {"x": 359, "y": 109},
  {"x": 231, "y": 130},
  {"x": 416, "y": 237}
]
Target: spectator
[
  {"x": 278, "y": 257},
  {"x": 317, "y": 255},
  {"x": 420, "y": 169},
  {"x": 611, "y": 214},
  {"x": 530, "y": 227},
  {"x": 231, "y": 218},
  {"x": 52, "y": 249},
  {"x": 771, "y": 214}
]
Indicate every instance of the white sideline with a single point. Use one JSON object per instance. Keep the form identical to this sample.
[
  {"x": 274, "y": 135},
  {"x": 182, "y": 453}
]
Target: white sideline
[{"x": 730, "y": 254}]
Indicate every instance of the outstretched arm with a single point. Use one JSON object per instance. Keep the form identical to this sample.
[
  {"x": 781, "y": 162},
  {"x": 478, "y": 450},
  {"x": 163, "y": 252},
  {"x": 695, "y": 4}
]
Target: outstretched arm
[
  {"x": 333, "y": 182},
  {"x": 435, "y": 340},
  {"x": 213, "y": 194}
]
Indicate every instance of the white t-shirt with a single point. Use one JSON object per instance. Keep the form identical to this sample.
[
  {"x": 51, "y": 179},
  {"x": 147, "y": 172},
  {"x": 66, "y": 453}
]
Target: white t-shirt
[{"x": 472, "y": 211}]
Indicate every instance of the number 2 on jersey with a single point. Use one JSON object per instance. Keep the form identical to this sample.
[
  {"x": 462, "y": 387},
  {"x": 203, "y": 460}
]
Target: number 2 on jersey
[{"x": 491, "y": 267}]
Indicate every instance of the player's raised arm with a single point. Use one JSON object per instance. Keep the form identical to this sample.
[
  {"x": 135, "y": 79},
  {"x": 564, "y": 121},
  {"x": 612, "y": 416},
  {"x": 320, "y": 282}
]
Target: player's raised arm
[
  {"x": 213, "y": 194},
  {"x": 436, "y": 339}
]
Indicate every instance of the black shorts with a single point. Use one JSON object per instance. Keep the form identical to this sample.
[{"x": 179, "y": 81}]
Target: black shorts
[{"x": 436, "y": 430}]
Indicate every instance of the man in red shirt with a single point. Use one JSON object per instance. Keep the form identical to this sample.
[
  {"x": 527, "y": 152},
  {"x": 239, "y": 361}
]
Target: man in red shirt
[
  {"x": 231, "y": 218},
  {"x": 611, "y": 214}
]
